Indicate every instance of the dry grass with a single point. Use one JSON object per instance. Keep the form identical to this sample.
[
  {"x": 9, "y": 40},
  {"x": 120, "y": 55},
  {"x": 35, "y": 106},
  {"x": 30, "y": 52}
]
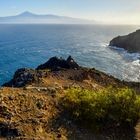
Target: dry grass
[
  {"x": 28, "y": 111},
  {"x": 35, "y": 113}
]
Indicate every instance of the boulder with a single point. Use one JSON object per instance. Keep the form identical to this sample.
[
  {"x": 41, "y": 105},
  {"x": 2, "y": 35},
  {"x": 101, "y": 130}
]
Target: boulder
[
  {"x": 22, "y": 77},
  {"x": 56, "y": 64},
  {"x": 130, "y": 42},
  {"x": 6, "y": 131}
]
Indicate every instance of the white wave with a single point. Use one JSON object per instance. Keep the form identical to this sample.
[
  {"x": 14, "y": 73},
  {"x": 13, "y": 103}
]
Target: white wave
[
  {"x": 116, "y": 48},
  {"x": 136, "y": 62},
  {"x": 124, "y": 53},
  {"x": 133, "y": 56},
  {"x": 103, "y": 44}
]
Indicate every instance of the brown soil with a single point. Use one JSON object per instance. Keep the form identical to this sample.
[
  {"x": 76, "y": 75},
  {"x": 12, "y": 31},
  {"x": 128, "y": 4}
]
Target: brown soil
[{"x": 33, "y": 112}]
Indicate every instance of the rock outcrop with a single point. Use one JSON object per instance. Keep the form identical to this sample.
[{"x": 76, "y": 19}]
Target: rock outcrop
[
  {"x": 25, "y": 76},
  {"x": 59, "y": 73},
  {"x": 36, "y": 110},
  {"x": 130, "y": 42},
  {"x": 56, "y": 63},
  {"x": 6, "y": 130},
  {"x": 22, "y": 77}
]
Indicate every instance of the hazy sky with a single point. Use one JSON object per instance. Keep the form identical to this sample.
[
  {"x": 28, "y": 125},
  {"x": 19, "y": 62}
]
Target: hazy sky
[{"x": 107, "y": 11}]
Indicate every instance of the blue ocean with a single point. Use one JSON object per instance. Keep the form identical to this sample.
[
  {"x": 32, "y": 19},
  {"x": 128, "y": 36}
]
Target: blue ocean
[{"x": 30, "y": 45}]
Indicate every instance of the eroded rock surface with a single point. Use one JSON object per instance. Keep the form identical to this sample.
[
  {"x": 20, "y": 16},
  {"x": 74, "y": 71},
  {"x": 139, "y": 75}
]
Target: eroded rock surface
[
  {"x": 35, "y": 111},
  {"x": 56, "y": 63},
  {"x": 130, "y": 42},
  {"x": 22, "y": 77},
  {"x": 60, "y": 73}
]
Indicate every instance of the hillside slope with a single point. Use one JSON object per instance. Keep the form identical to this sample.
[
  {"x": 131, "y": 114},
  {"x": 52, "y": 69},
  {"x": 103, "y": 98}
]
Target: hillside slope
[{"x": 33, "y": 110}]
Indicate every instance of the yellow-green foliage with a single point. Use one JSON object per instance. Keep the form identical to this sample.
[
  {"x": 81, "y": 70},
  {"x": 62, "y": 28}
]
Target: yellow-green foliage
[{"x": 119, "y": 106}]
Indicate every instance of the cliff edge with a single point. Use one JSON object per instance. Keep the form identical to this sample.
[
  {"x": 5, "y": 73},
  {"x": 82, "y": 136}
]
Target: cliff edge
[
  {"x": 130, "y": 42},
  {"x": 48, "y": 102}
]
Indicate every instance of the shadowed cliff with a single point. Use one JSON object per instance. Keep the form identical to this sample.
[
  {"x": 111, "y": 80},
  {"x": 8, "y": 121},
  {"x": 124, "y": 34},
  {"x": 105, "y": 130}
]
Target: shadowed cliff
[{"x": 130, "y": 42}]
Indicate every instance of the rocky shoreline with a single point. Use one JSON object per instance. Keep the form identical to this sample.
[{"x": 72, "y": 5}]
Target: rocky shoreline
[
  {"x": 68, "y": 72},
  {"x": 25, "y": 76},
  {"x": 130, "y": 42},
  {"x": 30, "y": 103}
]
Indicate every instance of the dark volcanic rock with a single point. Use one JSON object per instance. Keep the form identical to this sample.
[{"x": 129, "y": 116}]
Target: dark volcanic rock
[
  {"x": 6, "y": 130},
  {"x": 22, "y": 77},
  {"x": 68, "y": 70},
  {"x": 129, "y": 42},
  {"x": 55, "y": 64}
]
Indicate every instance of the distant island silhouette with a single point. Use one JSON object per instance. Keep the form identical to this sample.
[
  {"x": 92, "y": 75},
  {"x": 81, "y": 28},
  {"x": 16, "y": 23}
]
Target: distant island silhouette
[{"x": 28, "y": 17}]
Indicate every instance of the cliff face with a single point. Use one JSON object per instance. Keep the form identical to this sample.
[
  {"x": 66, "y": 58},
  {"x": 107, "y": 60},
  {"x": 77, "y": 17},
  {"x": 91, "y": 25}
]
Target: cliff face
[
  {"x": 65, "y": 73},
  {"x": 130, "y": 42},
  {"x": 56, "y": 64},
  {"x": 33, "y": 111}
]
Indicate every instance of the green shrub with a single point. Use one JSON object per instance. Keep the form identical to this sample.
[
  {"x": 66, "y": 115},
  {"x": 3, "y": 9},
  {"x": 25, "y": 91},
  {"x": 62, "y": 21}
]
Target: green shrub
[{"x": 117, "y": 106}]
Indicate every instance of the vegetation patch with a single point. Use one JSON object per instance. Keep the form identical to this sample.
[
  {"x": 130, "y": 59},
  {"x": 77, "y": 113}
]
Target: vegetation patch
[{"x": 120, "y": 107}]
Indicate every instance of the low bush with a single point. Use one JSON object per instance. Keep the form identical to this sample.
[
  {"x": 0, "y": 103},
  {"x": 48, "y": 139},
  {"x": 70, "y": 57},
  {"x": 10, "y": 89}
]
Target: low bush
[{"x": 117, "y": 106}]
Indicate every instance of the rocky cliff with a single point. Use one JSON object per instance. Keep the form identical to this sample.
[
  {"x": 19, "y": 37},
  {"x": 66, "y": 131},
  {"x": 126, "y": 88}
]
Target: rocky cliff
[
  {"x": 130, "y": 42},
  {"x": 32, "y": 108},
  {"x": 65, "y": 73}
]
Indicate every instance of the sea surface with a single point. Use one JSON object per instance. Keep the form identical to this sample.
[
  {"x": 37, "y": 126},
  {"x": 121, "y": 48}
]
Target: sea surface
[{"x": 30, "y": 45}]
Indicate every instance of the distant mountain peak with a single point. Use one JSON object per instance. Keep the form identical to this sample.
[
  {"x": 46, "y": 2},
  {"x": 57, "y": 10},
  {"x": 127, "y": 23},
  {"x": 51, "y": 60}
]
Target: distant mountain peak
[
  {"x": 26, "y": 13},
  {"x": 29, "y": 17}
]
